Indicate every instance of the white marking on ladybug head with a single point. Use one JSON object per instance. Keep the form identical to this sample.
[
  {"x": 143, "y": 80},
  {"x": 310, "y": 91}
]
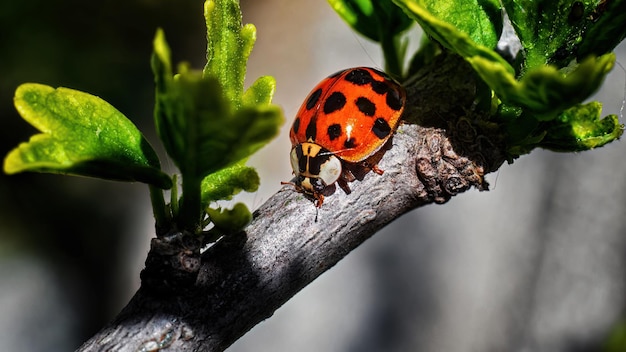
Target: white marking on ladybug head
[
  {"x": 330, "y": 170},
  {"x": 295, "y": 162}
]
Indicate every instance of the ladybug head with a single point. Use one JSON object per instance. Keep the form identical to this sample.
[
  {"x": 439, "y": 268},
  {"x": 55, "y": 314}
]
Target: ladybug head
[{"x": 315, "y": 168}]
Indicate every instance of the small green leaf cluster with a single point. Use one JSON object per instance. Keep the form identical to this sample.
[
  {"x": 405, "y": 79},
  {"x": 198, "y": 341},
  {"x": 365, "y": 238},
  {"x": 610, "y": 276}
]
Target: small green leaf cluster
[
  {"x": 538, "y": 95},
  {"x": 208, "y": 124}
]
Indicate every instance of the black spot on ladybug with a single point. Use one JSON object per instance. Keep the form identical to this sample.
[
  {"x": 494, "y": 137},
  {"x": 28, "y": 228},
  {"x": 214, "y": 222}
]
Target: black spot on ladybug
[
  {"x": 350, "y": 143},
  {"x": 296, "y": 125},
  {"x": 336, "y": 101},
  {"x": 394, "y": 101},
  {"x": 334, "y": 131},
  {"x": 313, "y": 99},
  {"x": 311, "y": 129},
  {"x": 381, "y": 128},
  {"x": 359, "y": 77},
  {"x": 366, "y": 106},
  {"x": 380, "y": 87}
]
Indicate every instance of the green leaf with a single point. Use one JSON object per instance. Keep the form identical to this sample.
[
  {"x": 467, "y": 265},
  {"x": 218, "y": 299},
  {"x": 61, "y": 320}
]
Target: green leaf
[
  {"x": 458, "y": 23},
  {"x": 260, "y": 92},
  {"x": 229, "y": 46},
  {"x": 200, "y": 131},
  {"x": 230, "y": 221},
  {"x": 82, "y": 135},
  {"x": 581, "y": 128},
  {"x": 546, "y": 91},
  {"x": 538, "y": 102},
  {"x": 223, "y": 184},
  {"x": 605, "y": 29},
  {"x": 373, "y": 19},
  {"x": 558, "y": 31},
  {"x": 205, "y": 119},
  {"x": 470, "y": 39}
]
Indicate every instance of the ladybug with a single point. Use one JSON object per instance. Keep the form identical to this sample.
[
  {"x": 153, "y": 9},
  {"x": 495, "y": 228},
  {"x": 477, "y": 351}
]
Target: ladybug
[{"x": 340, "y": 130}]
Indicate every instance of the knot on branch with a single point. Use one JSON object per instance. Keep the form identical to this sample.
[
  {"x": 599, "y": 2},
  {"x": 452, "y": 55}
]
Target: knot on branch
[
  {"x": 173, "y": 262},
  {"x": 479, "y": 139},
  {"x": 444, "y": 171}
]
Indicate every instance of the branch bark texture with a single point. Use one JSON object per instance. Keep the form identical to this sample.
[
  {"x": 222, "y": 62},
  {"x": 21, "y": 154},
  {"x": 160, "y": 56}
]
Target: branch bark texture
[{"x": 193, "y": 302}]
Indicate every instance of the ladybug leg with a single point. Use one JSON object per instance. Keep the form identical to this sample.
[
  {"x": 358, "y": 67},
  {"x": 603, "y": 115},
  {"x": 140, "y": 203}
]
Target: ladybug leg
[
  {"x": 319, "y": 200},
  {"x": 347, "y": 175},
  {"x": 377, "y": 170},
  {"x": 343, "y": 183}
]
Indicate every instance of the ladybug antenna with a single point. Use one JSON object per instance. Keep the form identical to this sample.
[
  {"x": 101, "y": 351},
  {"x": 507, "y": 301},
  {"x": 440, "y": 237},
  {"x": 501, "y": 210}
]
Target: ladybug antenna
[
  {"x": 336, "y": 152},
  {"x": 290, "y": 183}
]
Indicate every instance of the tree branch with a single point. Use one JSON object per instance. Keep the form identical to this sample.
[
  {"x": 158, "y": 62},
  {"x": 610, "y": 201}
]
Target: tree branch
[{"x": 193, "y": 302}]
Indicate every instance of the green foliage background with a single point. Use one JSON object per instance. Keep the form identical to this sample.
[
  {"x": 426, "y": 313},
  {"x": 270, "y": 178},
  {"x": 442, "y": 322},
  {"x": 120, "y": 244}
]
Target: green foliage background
[{"x": 102, "y": 48}]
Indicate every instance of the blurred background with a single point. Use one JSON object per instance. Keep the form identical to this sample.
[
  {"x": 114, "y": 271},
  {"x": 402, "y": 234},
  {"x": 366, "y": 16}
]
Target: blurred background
[{"x": 536, "y": 264}]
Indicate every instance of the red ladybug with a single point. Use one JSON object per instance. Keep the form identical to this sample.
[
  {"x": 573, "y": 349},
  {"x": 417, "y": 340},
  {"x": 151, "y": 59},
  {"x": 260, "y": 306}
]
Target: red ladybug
[{"x": 341, "y": 128}]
